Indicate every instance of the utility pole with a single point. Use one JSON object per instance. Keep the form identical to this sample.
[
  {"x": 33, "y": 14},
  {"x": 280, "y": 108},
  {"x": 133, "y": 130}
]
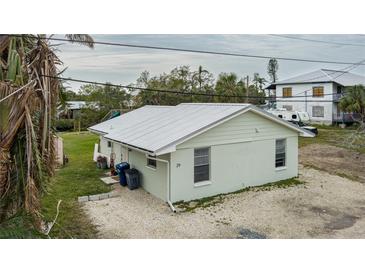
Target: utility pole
[
  {"x": 306, "y": 102},
  {"x": 247, "y": 83}
]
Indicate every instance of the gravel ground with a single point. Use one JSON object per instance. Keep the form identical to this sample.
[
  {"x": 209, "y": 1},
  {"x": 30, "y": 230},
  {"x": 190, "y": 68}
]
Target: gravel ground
[{"x": 326, "y": 206}]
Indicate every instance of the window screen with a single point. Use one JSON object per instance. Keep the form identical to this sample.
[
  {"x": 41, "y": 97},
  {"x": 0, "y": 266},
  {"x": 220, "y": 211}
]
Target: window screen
[
  {"x": 318, "y": 111},
  {"x": 201, "y": 164},
  {"x": 280, "y": 153},
  {"x": 151, "y": 162}
]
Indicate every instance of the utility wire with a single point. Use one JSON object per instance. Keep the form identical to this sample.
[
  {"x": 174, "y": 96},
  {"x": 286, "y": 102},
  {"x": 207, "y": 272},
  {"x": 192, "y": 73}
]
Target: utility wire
[
  {"x": 178, "y": 92},
  {"x": 195, "y": 51},
  {"x": 317, "y": 41}
]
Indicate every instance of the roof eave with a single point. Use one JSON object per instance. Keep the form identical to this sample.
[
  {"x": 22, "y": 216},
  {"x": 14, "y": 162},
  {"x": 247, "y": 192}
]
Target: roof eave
[{"x": 99, "y": 132}]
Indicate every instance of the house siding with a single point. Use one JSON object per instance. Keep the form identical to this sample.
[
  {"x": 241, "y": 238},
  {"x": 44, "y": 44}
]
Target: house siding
[
  {"x": 299, "y": 90},
  {"x": 245, "y": 127},
  {"x": 104, "y": 149},
  {"x": 153, "y": 181},
  {"x": 240, "y": 156}
]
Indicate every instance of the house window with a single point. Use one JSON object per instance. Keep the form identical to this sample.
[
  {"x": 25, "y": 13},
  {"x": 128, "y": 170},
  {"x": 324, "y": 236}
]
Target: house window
[
  {"x": 287, "y": 92},
  {"x": 201, "y": 164},
  {"x": 280, "y": 155},
  {"x": 288, "y": 107},
  {"x": 339, "y": 89},
  {"x": 150, "y": 162},
  {"x": 109, "y": 144},
  {"x": 317, "y": 111},
  {"x": 318, "y": 91}
]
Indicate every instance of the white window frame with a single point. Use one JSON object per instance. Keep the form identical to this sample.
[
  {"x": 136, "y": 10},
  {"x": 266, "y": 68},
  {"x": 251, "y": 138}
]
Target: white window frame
[
  {"x": 205, "y": 181},
  {"x": 287, "y": 88},
  {"x": 315, "y": 115},
  {"x": 148, "y": 164},
  {"x": 285, "y": 153},
  {"x": 316, "y": 96}
]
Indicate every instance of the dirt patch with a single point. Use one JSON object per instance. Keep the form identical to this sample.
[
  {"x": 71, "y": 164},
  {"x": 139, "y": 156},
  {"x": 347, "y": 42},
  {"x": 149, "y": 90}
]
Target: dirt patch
[
  {"x": 342, "y": 222},
  {"x": 245, "y": 233},
  {"x": 335, "y": 160}
]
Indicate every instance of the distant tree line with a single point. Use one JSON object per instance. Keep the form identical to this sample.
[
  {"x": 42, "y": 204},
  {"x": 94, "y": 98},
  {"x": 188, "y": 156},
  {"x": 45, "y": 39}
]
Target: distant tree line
[{"x": 182, "y": 79}]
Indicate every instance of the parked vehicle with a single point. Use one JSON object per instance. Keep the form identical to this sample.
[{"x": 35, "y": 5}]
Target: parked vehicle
[{"x": 300, "y": 118}]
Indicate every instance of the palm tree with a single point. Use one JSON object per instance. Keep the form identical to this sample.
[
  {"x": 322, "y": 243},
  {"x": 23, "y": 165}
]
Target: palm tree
[
  {"x": 258, "y": 81},
  {"x": 199, "y": 76},
  {"x": 354, "y": 101},
  {"x": 28, "y": 97},
  {"x": 228, "y": 84},
  {"x": 272, "y": 69}
]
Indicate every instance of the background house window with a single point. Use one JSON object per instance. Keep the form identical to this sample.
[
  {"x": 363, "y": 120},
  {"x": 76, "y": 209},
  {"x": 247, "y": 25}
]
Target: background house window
[
  {"x": 280, "y": 153},
  {"x": 288, "y": 107},
  {"x": 109, "y": 144},
  {"x": 201, "y": 164},
  {"x": 317, "y": 111},
  {"x": 339, "y": 89},
  {"x": 318, "y": 91},
  {"x": 150, "y": 162},
  {"x": 287, "y": 92}
]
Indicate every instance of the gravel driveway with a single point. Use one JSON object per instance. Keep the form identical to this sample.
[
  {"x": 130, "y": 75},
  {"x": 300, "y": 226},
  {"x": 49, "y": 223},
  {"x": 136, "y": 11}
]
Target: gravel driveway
[{"x": 326, "y": 206}]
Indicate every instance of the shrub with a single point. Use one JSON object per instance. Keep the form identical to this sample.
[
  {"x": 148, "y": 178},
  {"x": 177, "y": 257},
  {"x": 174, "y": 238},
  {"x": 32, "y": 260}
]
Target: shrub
[{"x": 64, "y": 124}]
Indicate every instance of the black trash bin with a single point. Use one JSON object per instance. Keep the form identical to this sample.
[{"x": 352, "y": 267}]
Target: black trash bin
[
  {"x": 132, "y": 176},
  {"x": 121, "y": 168}
]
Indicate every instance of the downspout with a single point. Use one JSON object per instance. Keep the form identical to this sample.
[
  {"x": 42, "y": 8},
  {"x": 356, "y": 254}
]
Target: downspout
[{"x": 168, "y": 180}]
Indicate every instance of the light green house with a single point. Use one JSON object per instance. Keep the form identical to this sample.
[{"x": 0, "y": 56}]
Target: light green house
[{"x": 192, "y": 151}]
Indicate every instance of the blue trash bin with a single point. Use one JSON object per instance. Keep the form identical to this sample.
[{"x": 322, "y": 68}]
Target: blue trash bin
[{"x": 120, "y": 168}]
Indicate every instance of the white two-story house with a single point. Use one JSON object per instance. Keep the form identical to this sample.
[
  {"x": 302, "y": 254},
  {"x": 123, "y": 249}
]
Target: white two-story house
[{"x": 317, "y": 93}]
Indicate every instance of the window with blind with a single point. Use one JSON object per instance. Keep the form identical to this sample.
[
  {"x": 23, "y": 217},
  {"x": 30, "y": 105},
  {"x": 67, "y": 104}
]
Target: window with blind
[
  {"x": 287, "y": 92},
  {"x": 280, "y": 154},
  {"x": 318, "y": 91},
  {"x": 201, "y": 164}
]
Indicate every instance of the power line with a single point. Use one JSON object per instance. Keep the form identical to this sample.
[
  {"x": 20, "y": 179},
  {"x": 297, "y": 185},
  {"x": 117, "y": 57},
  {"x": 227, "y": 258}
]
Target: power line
[
  {"x": 197, "y": 51},
  {"x": 317, "y": 41},
  {"x": 181, "y": 92}
]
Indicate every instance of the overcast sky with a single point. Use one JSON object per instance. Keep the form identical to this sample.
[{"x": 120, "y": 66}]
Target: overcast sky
[{"x": 122, "y": 65}]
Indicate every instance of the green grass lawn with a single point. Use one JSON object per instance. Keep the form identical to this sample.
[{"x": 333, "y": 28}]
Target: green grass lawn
[
  {"x": 78, "y": 178},
  {"x": 332, "y": 135}
]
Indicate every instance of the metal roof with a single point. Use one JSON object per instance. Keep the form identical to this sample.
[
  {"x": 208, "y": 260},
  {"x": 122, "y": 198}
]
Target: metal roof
[
  {"x": 158, "y": 129},
  {"x": 343, "y": 78},
  {"x": 130, "y": 119},
  {"x": 75, "y": 104}
]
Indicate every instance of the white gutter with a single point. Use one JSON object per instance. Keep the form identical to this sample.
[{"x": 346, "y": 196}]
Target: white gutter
[{"x": 168, "y": 180}]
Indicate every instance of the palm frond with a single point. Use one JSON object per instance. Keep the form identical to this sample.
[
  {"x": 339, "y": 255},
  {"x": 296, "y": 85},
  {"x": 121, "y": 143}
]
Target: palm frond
[{"x": 82, "y": 39}]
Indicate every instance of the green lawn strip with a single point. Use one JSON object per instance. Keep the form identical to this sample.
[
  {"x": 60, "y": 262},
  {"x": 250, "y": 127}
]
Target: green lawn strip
[
  {"x": 332, "y": 136},
  {"x": 217, "y": 199},
  {"x": 19, "y": 226},
  {"x": 79, "y": 177}
]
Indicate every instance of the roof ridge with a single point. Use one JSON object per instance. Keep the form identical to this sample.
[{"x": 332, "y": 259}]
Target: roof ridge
[
  {"x": 322, "y": 70},
  {"x": 217, "y": 104}
]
